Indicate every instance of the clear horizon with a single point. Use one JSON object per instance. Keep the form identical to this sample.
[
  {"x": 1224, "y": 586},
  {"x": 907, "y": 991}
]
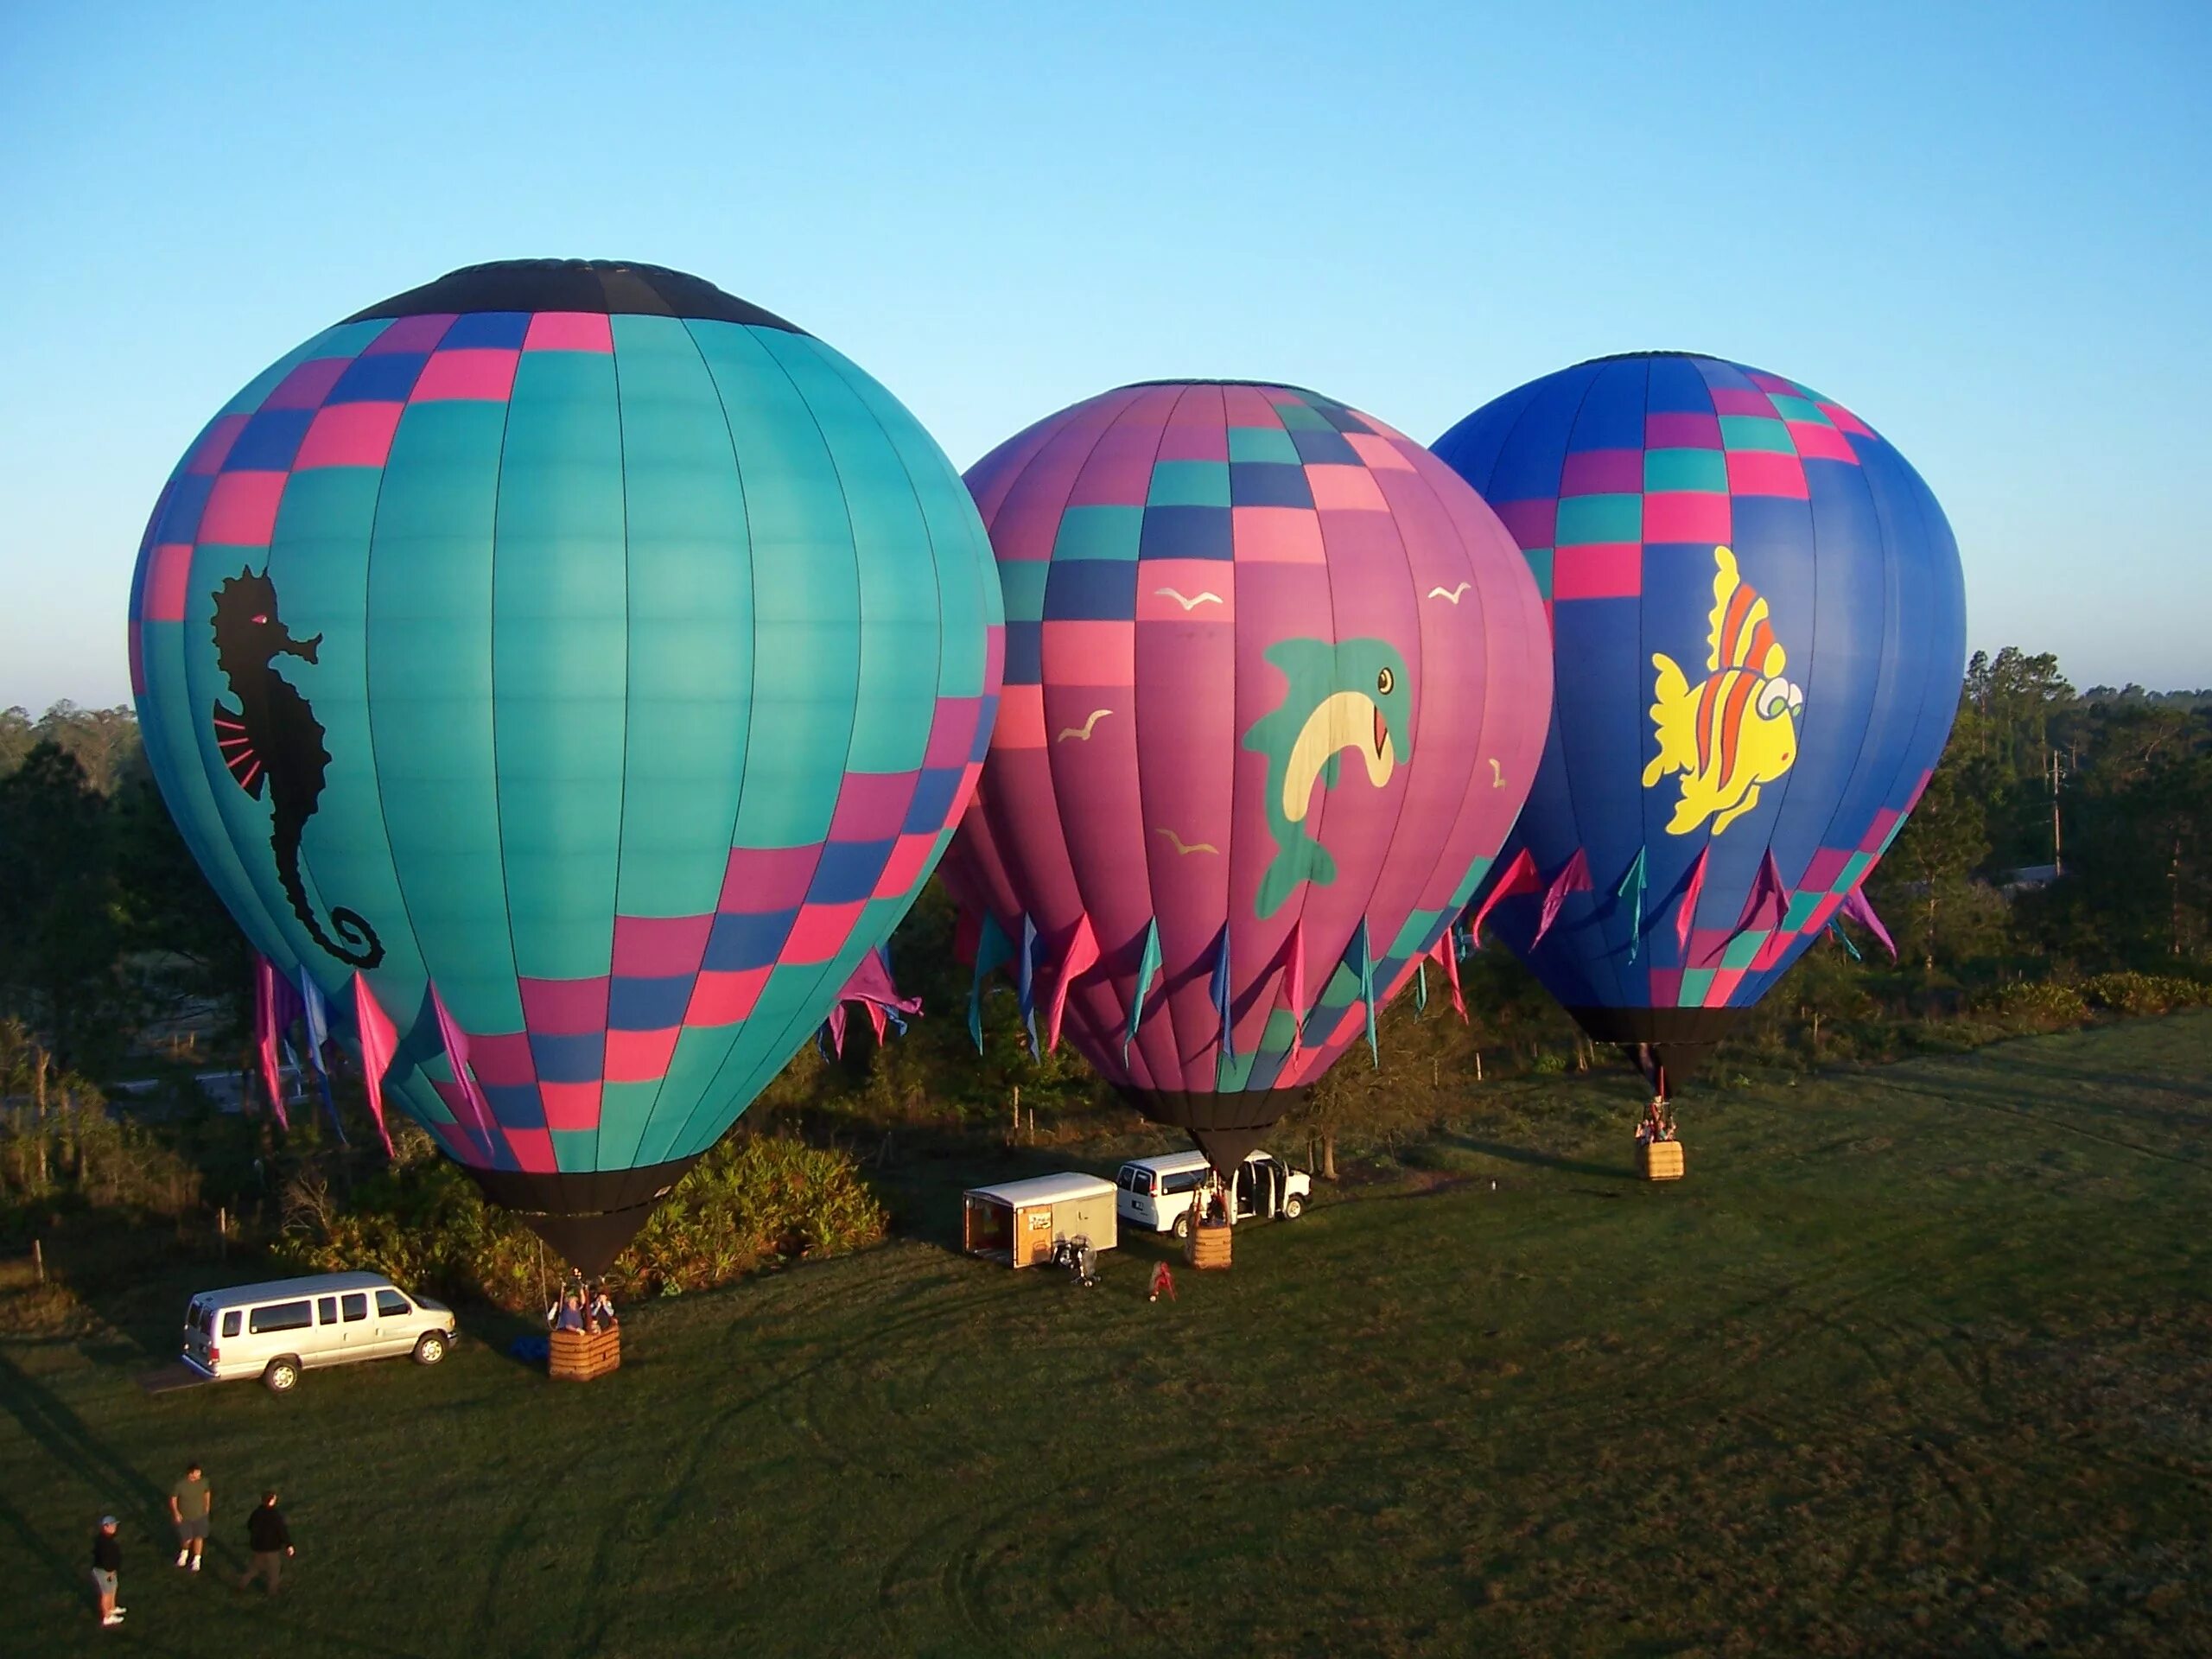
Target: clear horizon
[{"x": 1987, "y": 236}]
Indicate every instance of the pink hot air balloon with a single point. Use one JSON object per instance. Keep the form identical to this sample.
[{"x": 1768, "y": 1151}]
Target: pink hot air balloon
[{"x": 1277, "y": 685}]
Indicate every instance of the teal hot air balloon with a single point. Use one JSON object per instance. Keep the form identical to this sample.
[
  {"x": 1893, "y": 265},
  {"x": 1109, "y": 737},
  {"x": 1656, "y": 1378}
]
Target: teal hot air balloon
[{"x": 571, "y": 673}]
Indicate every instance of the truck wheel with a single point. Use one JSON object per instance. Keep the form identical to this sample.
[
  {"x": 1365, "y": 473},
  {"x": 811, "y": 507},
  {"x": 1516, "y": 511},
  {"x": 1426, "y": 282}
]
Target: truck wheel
[
  {"x": 431, "y": 1347},
  {"x": 1293, "y": 1207},
  {"x": 282, "y": 1375},
  {"x": 1183, "y": 1226}
]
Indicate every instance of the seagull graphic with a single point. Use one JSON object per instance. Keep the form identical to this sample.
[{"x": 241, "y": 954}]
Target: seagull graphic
[
  {"x": 1187, "y": 604},
  {"x": 1454, "y": 595},
  {"x": 1081, "y": 733},
  {"x": 1177, "y": 841}
]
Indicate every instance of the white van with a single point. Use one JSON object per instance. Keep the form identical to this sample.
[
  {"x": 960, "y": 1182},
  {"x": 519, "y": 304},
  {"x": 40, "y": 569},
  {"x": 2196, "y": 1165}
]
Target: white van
[
  {"x": 277, "y": 1330},
  {"x": 1154, "y": 1194}
]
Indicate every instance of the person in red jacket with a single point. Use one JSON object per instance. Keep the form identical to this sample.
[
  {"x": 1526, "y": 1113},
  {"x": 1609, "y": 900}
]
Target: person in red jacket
[{"x": 1163, "y": 1283}]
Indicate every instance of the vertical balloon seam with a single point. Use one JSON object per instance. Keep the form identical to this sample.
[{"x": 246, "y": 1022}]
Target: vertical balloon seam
[
  {"x": 771, "y": 1061},
  {"x": 455, "y": 1062},
  {"x": 175, "y": 781},
  {"x": 752, "y": 1058},
  {"x": 1138, "y": 400},
  {"x": 794, "y": 1025},
  {"x": 1323, "y": 1051},
  {"x": 1007, "y": 856},
  {"x": 1497, "y": 678},
  {"x": 1598, "y": 917},
  {"x": 1887, "y": 677},
  {"x": 1594, "y": 374},
  {"x": 745, "y": 509},
  {"x": 1775, "y": 812},
  {"x": 1551, "y": 734},
  {"x": 1062, "y": 848},
  {"x": 1647, "y": 807},
  {"x": 1420, "y": 673},
  {"x": 735, "y": 1030},
  {"x": 1940, "y": 687},
  {"x": 407, "y": 1068},
  {"x": 1653, "y": 812},
  {"x": 197, "y": 782},
  {"x": 304, "y": 854},
  {"x": 401, "y": 1068}
]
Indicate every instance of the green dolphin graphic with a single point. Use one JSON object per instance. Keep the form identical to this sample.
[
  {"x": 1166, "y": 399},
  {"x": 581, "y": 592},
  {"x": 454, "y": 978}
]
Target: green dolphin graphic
[{"x": 1352, "y": 695}]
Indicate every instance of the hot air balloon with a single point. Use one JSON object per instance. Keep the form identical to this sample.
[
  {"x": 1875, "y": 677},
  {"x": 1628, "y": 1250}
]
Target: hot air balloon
[
  {"x": 1276, "y": 684},
  {"x": 571, "y": 673},
  {"x": 1759, "y": 625}
]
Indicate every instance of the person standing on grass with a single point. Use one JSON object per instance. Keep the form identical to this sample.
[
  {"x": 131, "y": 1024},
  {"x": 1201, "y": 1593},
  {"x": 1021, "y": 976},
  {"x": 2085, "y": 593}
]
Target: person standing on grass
[
  {"x": 270, "y": 1539},
  {"x": 191, "y": 1503},
  {"x": 107, "y": 1562}
]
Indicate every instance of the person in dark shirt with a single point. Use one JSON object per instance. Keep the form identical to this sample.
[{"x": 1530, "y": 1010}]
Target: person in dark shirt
[
  {"x": 271, "y": 1540},
  {"x": 107, "y": 1562}
]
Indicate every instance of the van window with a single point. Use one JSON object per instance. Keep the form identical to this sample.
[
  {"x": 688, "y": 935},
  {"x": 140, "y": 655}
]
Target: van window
[
  {"x": 231, "y": 1323},
  {"x": 281, "y": 1316},
  {"x": 357, "y": 1306},
  {"x": 1188, "y": 1180},
  {"x": 194, "y": 1316},
  {"x": 391, "y": 1305}
]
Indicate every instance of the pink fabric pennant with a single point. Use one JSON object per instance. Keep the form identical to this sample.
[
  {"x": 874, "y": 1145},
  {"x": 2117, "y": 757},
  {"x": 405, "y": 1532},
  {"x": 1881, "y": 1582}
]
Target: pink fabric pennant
[{"x": 379, "y": 1041}]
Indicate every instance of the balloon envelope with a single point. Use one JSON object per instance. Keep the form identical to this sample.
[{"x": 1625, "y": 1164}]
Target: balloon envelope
[
  {"x": 1276, "y": 684},
  {"x": 1760, "y": 627},
  {"x": 594, "y": 662}
]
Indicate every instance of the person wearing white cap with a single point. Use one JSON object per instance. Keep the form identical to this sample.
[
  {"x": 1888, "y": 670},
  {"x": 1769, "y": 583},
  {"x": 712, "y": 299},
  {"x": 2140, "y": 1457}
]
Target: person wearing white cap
[{"x": 107, "y": 1562}]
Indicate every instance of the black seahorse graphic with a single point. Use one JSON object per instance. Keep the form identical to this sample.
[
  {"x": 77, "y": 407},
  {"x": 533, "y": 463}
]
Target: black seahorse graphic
[{"x": 273, "y": 740}]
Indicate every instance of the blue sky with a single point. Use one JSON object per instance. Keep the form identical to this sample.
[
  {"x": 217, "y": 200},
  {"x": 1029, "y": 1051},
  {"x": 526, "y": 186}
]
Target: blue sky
[{"x": 1984, "y": 229}]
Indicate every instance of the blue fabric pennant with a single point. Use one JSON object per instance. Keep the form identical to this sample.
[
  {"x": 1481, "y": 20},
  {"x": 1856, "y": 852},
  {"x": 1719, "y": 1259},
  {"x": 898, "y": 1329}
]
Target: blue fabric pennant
[
  {"x": 1631, "y": 892},
  {"x": 1025, "y": 982},
  {"x": 1835, "y": 926},
  {"x": 992, "y": 949},
  {"x": 1367, "y": 986},
  {"x": 1146, "y": 968},
  {"x": 1221, "y": 996}
]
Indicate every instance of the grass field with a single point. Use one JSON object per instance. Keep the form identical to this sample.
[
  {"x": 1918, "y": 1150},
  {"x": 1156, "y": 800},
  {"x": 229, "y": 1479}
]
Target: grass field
[{"x": 1916, "y": 1360}]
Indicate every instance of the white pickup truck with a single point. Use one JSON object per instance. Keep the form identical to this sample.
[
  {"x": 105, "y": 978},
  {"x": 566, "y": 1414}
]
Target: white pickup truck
[{"x": 1154, "y": 1194}]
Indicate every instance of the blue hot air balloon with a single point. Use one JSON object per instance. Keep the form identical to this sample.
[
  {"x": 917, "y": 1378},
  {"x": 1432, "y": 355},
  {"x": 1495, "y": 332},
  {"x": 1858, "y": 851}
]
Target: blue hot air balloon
[
  {"x": 1760, "y": 628},
  {"x": 570, "y": 673}
]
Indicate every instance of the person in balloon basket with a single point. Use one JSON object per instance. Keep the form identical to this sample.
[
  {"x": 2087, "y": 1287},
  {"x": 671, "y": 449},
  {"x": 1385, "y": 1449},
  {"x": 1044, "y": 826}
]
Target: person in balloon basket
[
  {"x": 191, "y": 1503},
  {"x": 271, "y": 1540},
  {"x": 567, "y": 1314},
  {"x": 107, "y": 1563},
  {"x": 599, "y": 1312}
]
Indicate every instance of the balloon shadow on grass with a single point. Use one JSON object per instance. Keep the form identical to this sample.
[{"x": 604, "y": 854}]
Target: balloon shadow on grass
[{"x": 1529, "y": 1155}]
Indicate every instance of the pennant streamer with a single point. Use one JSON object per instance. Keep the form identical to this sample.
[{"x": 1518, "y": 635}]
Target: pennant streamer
[
  {"x": 1025, "y": 982},
  {"x": 1520, "y": 877},
  {"x": 1835, "y": 926},
  {"x": 1686, "y": 915},
  {"x": 1367, "y": 986},
  {"x": 1769, "y": 902},
  {"x": 1080, "y": 956},
  {"x": 1631, "y": 893},
  {"x": 1860, "y": 911},
  {"x": 1297, "y": 949},
  {"x": 993, "y": 950},
  {"x": 1574, "y": 877},
  {"x": 1220, "y": 991},
  {"x": 378, "y": 1041},
  {"x": 1147, "y": 968},
  {"x": 456, "y": 1043},
  {"x": 275, "y": 1005},
  {"x": 1447, "y": 957}
]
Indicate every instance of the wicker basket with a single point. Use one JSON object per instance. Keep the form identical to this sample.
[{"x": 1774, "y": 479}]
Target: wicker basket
[
  {"x": 1660, "y": 1160},
  {"x": 1208, "y": 1245},
  {"x": 579, "y": 1356}
]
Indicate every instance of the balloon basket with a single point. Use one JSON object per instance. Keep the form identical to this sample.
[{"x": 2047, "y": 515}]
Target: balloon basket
[
  {"x": 580, "y": 1356},
  {"x": 1660, "y": 1160},
  {"x": 1208, "y": 1245}
]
